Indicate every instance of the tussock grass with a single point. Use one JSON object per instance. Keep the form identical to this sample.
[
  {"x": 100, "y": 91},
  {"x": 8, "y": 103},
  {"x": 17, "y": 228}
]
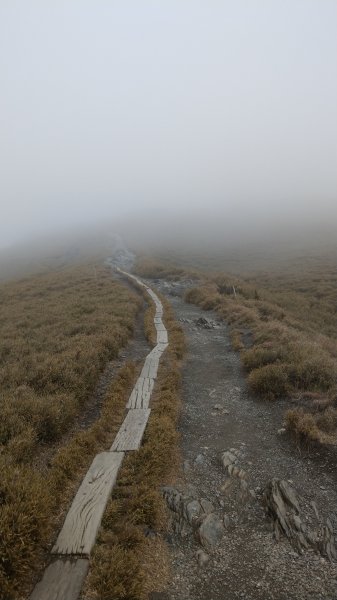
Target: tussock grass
[
  {"x": 288, "y": 357},
  {"x": 52, "y": 354},
  {"x": 131, "y": 559},
  {"x": 34, "y": 503},
  {"x": 291, "y": 319},
  {"x": 57, "y": 333}
]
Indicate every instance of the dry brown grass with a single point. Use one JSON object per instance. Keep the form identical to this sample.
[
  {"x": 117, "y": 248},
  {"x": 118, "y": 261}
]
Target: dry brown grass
[
  {"x": 149, "y": 267},
  {"x": 59, "y": 331},
  {"x": 36, "y": 501},
  {"x": 289, "y": 355},
  {"x": 291, "y": 320},
  {"x": 131, "y": 559}
]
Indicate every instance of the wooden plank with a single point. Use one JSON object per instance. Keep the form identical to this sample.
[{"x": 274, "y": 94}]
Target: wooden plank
[
  {"x": 162, "y": 346},
  {"x": 80, "y": 528},
  {"x": 150, "y": 368},
  {"x": 162, "y": 337},
  {"x": 141, "y": 393},
  {"x": 62, "y": 580},
  {"x": 131, "y": 431}
]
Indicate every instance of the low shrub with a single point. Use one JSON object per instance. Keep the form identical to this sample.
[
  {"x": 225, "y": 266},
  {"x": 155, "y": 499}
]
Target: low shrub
[
  {"x": 303, "y": 425},
  {"x": 259, "y": 356},
  {"x": 269, "y": 381},
  {"x": 315, "y": 374}
]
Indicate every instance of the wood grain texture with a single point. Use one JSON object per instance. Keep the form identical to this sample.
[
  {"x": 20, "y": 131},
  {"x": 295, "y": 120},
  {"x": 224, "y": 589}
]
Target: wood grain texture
[
  {"x": 62, "y": 580},
  {"x": 80, "y": 528},
  {"x": 141, "y": 393},
  {"x": 151, "y": 364},
  {"x": 131, "y": 431}
]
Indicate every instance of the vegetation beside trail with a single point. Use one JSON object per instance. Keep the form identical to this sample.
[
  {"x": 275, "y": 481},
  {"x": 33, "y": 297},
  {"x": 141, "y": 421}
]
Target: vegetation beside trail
[
  {"x": 130, "y": 559},
  {"x": 285, "y": 327},
  {"x": 58, "y": 332}
]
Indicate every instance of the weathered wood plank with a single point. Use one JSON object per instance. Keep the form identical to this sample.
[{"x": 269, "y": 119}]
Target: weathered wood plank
[
  {"x": 62, "y": 580},
  {"x": 151, "y": 363},
  {"x": 131, "y": 431},
  {"x": 141, "y": 393},
  {"x": 80, "y": 528},
  {"x": 162, "y": 337},
  {"x": 162, "y": 347}
]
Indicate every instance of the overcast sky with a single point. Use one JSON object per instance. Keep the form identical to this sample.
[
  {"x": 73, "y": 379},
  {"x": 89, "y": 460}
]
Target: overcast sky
[{"x": 111, "y": 107}]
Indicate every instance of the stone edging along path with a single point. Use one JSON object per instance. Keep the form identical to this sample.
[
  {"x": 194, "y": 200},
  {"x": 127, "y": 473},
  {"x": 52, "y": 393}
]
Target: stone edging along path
[{"x": 63, "y": 578}]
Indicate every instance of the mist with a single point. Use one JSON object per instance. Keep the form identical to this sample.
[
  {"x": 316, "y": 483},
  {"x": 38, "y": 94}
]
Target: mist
[{"x": 168, "y": 120}]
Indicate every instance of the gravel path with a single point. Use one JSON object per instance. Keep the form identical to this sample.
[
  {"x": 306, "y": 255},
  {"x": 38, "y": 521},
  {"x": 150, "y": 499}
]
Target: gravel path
[{"x": 218, "y": 414}]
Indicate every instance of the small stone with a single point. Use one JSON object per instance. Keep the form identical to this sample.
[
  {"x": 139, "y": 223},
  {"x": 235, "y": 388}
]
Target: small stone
[
  {"x": 199, "y": 460},
  {"x": 281, "y": 431},
  {"x": 187, "y": 465},
  {"x": 192, "y": 511},
  {"x": 202, "y": 558},
  {"x": 206, "y": 506},
  {"x": 226, "y": 521},
  {"x": 217, "y": 407}
]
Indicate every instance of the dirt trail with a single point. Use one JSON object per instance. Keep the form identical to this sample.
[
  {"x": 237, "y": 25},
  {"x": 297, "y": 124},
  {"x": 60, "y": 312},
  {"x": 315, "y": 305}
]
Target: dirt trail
[{"x": 248, "y": 562}]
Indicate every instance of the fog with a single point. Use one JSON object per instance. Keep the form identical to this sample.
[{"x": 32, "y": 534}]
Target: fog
[{"x": 204, "y": 120}]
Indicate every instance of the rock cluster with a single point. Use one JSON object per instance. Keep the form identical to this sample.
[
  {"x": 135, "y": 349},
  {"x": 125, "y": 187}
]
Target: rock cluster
[
  {"x": 205, "y": 323},
  {"x": 282, "y": 506},
  {"x": 189, "y": 513}
]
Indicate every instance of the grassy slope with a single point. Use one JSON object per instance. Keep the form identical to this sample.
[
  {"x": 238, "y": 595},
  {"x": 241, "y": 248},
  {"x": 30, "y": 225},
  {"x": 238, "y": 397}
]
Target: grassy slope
[
  {"x": 284, "y": 323},
  {"x": 58, "y": 331}
]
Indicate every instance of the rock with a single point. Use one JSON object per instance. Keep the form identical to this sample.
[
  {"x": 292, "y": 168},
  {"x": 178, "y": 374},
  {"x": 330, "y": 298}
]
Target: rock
[
  {"x": 205, "y": 323},
  {"x": 227, "y": 487},
  {"x": 192, "y": 511},
  {"x": 199, "y": 460},
  {"x": 226, "y": 521},
  {"x": 187, "y": 465},
  {"x": 217, "y": 407},
  {"x": 282, "y": 506},
  {"x": 315, "y": 509},
  {"x": 202, "y": 558},
  {"x": 211, "y": 530},
  {"x": 228, "y": 458},
  {"x": 173, "y": 498},
  {"x": 281, "y": 431},
  {"x": 206, "y": 506}
]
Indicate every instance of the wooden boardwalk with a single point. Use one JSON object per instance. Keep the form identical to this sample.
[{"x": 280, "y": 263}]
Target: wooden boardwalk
[
  {"x": 80, "y": 528},
  {"x": 63, "y": 578}
]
